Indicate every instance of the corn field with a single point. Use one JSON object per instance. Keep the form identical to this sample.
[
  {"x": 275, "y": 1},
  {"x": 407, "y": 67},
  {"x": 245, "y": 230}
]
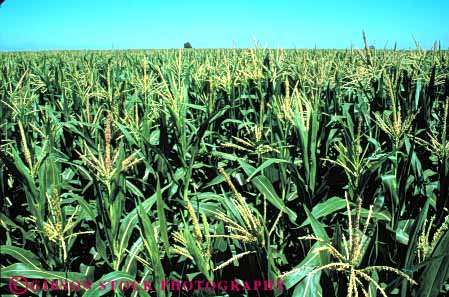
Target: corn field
[{"x": 323, "y": 171}]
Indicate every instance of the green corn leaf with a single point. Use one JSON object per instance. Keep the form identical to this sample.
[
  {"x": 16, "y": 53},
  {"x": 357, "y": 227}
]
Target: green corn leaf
[
  {"x": 111, "y": 282},
  {"x": 266, "y": 188},
  {"x": 38, "y": 273},
  {"x": 152, "y": 249},
  {"x": 265, "y": 164},
  {"x": 22, "y": 255},
  {"x": 323, "y": 209},
  {"x": 162, "y": 218}
]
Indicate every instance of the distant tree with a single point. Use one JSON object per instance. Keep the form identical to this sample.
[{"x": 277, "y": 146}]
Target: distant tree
[
  {"x": 371, "y": 47},
  {"x": 186, "y": 44}
]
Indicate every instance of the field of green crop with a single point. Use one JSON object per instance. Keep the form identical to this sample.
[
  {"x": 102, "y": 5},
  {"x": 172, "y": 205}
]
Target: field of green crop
[{"x": 324, "y": 170}]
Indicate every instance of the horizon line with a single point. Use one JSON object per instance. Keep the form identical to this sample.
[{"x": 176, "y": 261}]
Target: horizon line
[{"x": 216, "y": 48}]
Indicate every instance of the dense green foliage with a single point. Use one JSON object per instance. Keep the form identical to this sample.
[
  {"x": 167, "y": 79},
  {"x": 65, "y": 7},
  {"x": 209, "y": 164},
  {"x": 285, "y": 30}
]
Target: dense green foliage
[{"x": 327, "y": 170}]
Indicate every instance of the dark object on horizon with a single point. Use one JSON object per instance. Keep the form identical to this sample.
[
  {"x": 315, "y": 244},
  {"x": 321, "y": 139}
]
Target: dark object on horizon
[
  {"x": 186, "y": 44},
  {"x": 371, "y": 47}
]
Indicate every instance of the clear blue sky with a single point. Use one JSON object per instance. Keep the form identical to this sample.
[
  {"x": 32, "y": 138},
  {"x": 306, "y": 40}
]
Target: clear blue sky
[{"x": 83, "y": 24}]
